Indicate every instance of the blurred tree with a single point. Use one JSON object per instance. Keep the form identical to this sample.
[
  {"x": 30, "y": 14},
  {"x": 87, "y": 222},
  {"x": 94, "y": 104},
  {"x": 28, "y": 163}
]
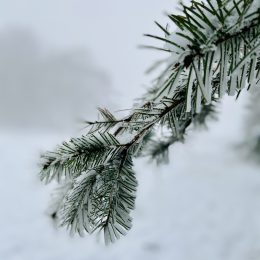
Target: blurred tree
[
  {"x": 251, "y": 143},
  {"x": 214, "y": 50},
  {"x": 46, "y": 89}
]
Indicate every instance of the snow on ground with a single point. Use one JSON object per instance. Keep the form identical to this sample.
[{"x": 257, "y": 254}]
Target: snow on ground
[{"x": 203, "y": 205}]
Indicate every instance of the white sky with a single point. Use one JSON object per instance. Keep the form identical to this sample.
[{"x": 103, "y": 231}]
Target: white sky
[{"x": 110, "y": 30}]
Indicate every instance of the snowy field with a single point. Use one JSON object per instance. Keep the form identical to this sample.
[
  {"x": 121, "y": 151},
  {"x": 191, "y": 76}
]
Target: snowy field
[{"x": 203, "y": 205}]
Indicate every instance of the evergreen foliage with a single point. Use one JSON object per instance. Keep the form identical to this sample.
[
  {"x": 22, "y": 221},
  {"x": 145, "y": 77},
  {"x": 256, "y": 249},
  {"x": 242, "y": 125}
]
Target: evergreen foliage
[{"x": 214, "y": 50}]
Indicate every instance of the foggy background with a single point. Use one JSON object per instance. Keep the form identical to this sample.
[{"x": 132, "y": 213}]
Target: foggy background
[
  {"x": 59, "y": 61},
  {"x": 47, "y": 90}
]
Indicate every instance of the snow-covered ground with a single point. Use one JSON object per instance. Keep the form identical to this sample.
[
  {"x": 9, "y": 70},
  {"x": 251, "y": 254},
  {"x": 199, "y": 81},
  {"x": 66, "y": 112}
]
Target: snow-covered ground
[{"x": 203, "y": 205}]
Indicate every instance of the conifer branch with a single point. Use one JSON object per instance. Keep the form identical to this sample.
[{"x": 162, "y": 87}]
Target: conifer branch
[{"x": 209, "y": 58}]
